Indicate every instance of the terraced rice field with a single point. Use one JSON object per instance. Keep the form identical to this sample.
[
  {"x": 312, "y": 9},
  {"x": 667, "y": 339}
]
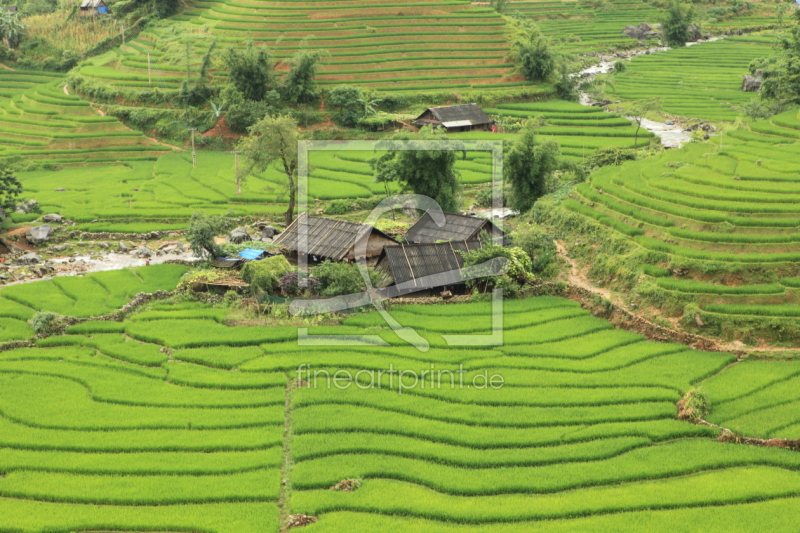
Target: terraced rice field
[
  {"x": 701, "y": 81},
  {"x": 448, "y": 44},
  {"x": 167, "y": 192},
  {"x": 37, "y": 119},
  {"x": 578, "y": 129},
  {"x": 172, "y": 420},
  {"x": 721, "y": 211}
]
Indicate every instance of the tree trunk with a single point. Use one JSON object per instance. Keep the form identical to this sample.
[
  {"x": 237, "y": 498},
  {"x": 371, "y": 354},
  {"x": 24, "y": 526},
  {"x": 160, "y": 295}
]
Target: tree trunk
[{"x": 289, "y": 216}]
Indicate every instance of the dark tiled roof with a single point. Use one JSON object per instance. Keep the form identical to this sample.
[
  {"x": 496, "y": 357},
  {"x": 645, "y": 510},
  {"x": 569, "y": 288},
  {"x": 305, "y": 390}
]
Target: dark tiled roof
[
  {"x": 456, "y": 228},
  {"x": 424, "y": 266},
  {"x": 457, "y": 113},
  {"x": 327, "y": 238}
]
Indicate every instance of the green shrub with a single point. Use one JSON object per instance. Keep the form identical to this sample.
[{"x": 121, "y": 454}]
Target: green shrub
[
  {"x": 264, "y": 275},
  {"x": 43, "y": 322},
  {"x": 338, "y": 279}
]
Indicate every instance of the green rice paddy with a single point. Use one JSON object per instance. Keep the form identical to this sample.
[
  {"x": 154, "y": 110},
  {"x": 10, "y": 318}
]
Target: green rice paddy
[{"x": 189, "y": 424}]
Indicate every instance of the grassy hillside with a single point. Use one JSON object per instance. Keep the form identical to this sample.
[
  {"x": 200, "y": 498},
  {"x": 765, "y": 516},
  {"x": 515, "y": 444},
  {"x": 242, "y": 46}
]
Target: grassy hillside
[
  {"x": 142, "y": 425},
  {"x": 715, "y": 223}
]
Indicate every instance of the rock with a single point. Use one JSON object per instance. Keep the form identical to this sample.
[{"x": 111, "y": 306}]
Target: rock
[
  {"x": 752, "y": 84},
  {"x": 670, "y": 122},
  {"x": 53, "y": 217},
  {"x": 61, "y": 190},
  {"x": 154, "y": 235},
  {"x": 695, "y": 34},
  {"x": 268, "y": 232},
  {"x": 31, "y": 206},
  {"x": 142, "y": 252},
  {"x": 239, "y": 235},
  {"x": 266, "y": 239},
  {"x": 59, "y": 248},
  {"x": 167, "y": 245},
  {"x": 28, "y": 259},
  {"x": 643, "y": 31},
  {"x": 103, "y": 245},
  {"x": 739, "y": 345},
  {"x": 39, "y": 234},
  {"x": 410, "y": 209},
  {"x": 124, "y": 247},
  {"x": 71, "y": 260}
]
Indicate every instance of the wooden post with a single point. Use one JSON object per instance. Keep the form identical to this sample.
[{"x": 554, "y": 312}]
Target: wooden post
[
  {"x": 149, "y": 77},
  {"x": 236, "y": 176},
  {"x": 194, "y": 154}
]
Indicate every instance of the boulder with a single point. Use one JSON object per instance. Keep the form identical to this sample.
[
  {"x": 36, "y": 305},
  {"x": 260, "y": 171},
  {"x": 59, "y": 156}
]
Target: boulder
[
  {"x": 103, "y": 245},
  {"x": 268, "y": 232},
  {"x": 142, "y": 252},
  {"x": 124, "y": 247},
  {"x": 28, "y": 259},
  {"x": 410, "y": 209},
  {"x": 31, "y": 206},
  {"x": 59, "y": 248},
  {"x": 643, "y": 31},
  {"x": 239, "y": 235},
  {"x": 695, "y": 33},
  {"x": 39, "y": 234},
  {"x": 52, "y": 218},
  {"x": 752, "y": 84}
]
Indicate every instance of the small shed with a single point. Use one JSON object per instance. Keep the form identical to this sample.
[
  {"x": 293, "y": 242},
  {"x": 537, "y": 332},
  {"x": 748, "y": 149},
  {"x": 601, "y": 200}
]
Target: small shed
[
  {"x": 93, "y": 7},
  {"x": 456, "y": 228},
  {"x": 425, "y": 268},
  {"x": 328, "y": 238},
  {"x": 454, "y": 118}
]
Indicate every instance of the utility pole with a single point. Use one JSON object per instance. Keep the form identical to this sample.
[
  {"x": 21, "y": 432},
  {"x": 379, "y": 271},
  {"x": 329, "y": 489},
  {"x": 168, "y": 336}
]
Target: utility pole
[
  {"x": 194, "y": 154},
  {"x": 149, "y": 77},
  {"x": 236, "y": 164}
]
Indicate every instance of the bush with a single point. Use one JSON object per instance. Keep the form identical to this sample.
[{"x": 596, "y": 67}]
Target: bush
[
  {"x": 43, "y": 322},
  {"x": 484, "y": 198},
  {"x": 539, "y": 246},
  {"x": 265, "y": 274},
  {"x": 337, "y": 279}
]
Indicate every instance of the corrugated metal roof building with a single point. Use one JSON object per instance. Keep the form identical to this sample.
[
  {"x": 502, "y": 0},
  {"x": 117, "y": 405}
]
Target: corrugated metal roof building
[
  {"x": 414, "y": 268},
  {"x": 456, "y": 228},
  {"x": 467, "y": 117},
  {"x": 332, "y": 239}
]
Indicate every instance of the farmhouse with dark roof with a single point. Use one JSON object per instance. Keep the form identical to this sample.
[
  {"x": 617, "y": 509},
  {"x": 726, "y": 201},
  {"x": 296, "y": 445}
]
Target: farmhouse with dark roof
[{"x": 453, "y": 118}]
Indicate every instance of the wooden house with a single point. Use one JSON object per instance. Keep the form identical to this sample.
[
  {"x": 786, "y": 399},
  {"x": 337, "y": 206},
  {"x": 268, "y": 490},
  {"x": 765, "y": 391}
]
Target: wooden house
[
  {"x": 327, "y": 238},
  {"x": 453, "y": 118},
  {"x": 425, "y": 269},
  {"x": 90, "y": 8},
  {"x": 456, "y": 228}
]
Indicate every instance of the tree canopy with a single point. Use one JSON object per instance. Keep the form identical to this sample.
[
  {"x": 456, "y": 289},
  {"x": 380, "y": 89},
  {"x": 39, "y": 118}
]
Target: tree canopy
[
  {"x": 781, "y": 72},
  {"x": 300, "y": 83},
  {"x": 675, "y": 24},
  {"x": 251, "y": 71},
  {"x": 526, "y": 167},
  {"x": 430, "y": 172},
  {"x": 201, "y": 232},
  {"x": 531, "y": 51},
  {"x": 273, "y": 140}
]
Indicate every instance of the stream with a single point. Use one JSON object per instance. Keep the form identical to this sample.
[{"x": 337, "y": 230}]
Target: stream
[{"x": 671, "y": 135}]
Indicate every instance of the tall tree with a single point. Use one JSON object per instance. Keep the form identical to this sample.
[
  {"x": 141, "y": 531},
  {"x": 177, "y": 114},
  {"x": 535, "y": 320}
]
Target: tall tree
[
  {"x": 273, "y": 140},
  {"x": 430, "y": 172},
  {"x": 781, "y": 71},
  {"x": 531, "y": 51},
  {"x": 675, "y": 24},
  {"x": 300, "y": 83},
  {"x": 10, "y": 189},
  {"x": 251, "y": 71},
  {"x": 202, "y": 230},
  {"x": 526, "y": 167}
]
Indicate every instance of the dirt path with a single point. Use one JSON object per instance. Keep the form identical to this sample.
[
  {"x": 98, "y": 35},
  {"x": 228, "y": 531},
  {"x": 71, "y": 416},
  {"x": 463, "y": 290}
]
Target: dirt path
[
  {"x": 65, "y": 90},
  {"x": 22, "y": 244},
  {"x": 578, "y": 277},
  {"x": 6, "y": 66}
]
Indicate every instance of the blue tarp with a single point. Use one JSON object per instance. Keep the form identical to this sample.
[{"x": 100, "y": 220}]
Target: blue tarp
[
  {"x": 250, "y": 254},
  {"x": 103, "y": 10}
]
